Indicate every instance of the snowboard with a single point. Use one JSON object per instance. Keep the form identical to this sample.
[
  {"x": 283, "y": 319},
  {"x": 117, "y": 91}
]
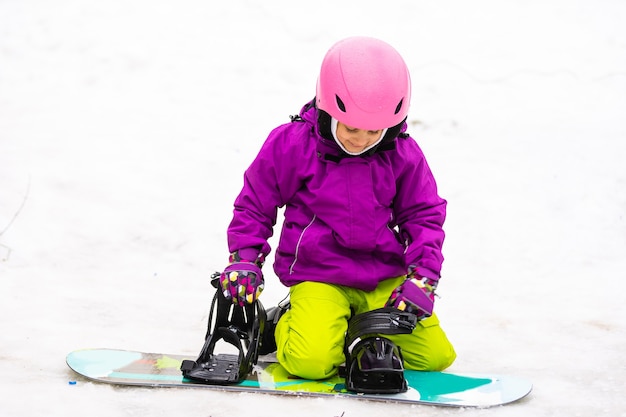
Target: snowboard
[{"x": 123, "y": 367}]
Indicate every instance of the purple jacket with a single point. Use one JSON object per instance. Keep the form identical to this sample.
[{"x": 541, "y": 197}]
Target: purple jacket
[{"x": 352, "y": 221}]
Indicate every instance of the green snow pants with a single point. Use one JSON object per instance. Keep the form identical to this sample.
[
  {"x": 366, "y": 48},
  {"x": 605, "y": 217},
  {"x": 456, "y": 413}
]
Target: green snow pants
[{"x": 310, "y": 335}]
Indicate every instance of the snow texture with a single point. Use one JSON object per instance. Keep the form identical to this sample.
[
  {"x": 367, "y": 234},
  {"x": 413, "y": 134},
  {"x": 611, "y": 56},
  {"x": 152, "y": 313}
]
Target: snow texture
[{"x": 125, "y": 127}]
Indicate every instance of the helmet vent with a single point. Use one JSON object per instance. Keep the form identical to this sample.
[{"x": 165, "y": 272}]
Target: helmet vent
[
  {"x": 340, "y": 104},
  {"x": 398, "y": 107}
]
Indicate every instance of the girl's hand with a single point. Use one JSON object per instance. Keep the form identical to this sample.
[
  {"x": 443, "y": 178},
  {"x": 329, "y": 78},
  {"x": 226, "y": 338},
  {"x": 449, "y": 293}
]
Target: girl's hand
[
  {"x": 242, "y": 280},
  {"x": 415, "y": 295}
]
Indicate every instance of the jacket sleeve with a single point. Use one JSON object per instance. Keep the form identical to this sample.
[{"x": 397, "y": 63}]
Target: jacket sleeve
[
  {"x": 420, "y": 212},
  {"x": 268, "y": 182}
]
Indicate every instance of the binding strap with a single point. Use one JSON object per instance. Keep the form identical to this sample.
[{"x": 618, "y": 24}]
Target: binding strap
[{"x": 386, "y": 320}]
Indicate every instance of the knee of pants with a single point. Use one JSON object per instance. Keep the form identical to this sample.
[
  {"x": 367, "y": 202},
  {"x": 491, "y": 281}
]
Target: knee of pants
[
  {"x": 427, "y": 348},
  {"x": 434, "y": 360},
  {"x": 308, "y": 355},
  {"x": 310, "y": 365},
  {"x": 310, "y": 336}
]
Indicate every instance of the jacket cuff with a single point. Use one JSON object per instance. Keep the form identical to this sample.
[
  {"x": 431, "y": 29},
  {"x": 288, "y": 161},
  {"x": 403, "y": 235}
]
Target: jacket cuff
[
  {"x": 249, "y": 254},
  {"x": 427, "y": 273}
]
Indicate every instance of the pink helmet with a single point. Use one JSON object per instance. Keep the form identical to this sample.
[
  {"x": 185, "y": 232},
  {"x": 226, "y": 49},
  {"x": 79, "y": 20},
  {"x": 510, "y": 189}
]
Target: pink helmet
[{"x": 364, "y": 83}]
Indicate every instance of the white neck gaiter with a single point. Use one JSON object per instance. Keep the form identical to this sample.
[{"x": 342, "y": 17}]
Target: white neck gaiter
[{"x": 333, "y": 128}]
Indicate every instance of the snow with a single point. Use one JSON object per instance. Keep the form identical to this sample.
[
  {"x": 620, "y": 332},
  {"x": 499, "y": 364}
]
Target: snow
[{"x": 125, "y": 127}]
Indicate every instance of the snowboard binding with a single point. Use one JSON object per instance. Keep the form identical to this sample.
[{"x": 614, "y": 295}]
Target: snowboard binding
[
  {"x": 239, "y": 326},
  {"x": 374, "y": 364}
]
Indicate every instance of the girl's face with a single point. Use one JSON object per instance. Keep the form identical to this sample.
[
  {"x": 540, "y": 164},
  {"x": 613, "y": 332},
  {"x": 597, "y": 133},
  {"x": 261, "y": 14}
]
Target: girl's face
[{"x": 356, "y": 140}]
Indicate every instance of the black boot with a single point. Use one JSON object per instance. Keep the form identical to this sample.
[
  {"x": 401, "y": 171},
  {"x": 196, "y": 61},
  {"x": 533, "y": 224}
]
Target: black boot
[{"x": 268, "y": 340}]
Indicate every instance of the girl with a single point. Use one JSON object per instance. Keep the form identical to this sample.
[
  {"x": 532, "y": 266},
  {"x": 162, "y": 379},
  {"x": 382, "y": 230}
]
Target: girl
[{"x": 362, "y": 222}]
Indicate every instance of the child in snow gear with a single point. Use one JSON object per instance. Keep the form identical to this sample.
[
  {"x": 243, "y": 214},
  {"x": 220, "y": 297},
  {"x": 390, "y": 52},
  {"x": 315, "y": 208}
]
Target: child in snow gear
[{"x": 363, "y": 224}]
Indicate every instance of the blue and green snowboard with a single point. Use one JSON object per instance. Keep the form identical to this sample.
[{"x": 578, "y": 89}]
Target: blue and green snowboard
[{"x": 122, "y": 367}]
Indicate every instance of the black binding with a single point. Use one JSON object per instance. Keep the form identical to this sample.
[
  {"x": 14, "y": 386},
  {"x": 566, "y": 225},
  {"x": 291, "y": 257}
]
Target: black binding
[
  {"x": 373, "y": 363},
  {"x": 239, "y": 326}
]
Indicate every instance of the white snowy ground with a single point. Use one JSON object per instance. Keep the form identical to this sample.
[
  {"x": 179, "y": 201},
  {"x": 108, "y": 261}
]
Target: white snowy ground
[{"x": 125, "y": 127}]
